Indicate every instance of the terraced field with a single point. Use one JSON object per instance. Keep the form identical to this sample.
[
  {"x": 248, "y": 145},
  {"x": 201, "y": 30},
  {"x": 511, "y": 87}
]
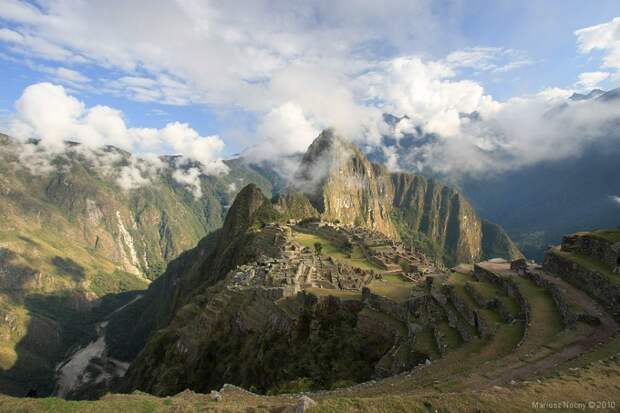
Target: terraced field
[
  {"x": 499, "y": 342},
  {"x": 357, "y": 258}
]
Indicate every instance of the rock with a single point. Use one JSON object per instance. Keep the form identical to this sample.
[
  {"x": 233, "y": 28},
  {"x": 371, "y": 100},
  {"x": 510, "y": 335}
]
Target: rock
[
  {"x": 215, "y": 395},
  {"x": 304, "y": 404}
]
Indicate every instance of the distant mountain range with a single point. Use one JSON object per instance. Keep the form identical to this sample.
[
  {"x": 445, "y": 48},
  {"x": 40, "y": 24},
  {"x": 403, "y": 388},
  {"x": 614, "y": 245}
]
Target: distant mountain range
[{"x": 537, "y": 204}]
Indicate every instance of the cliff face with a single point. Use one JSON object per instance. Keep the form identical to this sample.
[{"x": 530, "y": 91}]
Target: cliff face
[
  {"x": 441, "y": 214},
  {"x": 344, "y": 185},
  {"x": 70, "y": 236}
]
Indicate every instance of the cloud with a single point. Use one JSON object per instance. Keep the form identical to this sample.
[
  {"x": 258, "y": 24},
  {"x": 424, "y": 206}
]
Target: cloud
[
  {"x": 615, "y": 198},
  {"x": 589, "y": 80},
  {"x": 491, "y": 59},
  {"x": 314, "y": 65},
  {"x": 604, "y": 37},
  {"x": 46, "y": 112},
  {"x": 191, "y": 178},
  {"x": 426, "y": 92},
  {"x": 517, "y": 134},
  {"x": 285, "y": 130}
]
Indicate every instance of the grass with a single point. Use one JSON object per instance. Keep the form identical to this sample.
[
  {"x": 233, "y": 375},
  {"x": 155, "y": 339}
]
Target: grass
[
  {"x": 357, "y": 258},
  {"x": 395, "y": 278},
  {"x": 545, "y": 320},
  {"x": 324, "y": 292},
  {"x": 425, "y": 343},
  {"x": 489, "y": 291},
  {"x": 394, "y": 290},
  {"x": 450, "y": 336},
  {"x": 589, "y": 263},
  {"x": 596, "y": 383},
  {"x": 611, "y": 235}
]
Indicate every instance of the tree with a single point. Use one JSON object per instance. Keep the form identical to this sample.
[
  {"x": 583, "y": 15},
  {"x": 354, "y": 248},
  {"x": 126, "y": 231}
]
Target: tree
[
  {"x": 318, "y": 247},
  {"x": 347, "y": 248}
]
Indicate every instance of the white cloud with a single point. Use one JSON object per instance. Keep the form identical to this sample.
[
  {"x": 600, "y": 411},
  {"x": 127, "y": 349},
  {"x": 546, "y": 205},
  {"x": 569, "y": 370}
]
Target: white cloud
[
  {"x": 519, "y": 133},
  {"x": 315, "y": 64},
  {"x": 283, "y": 131},
  {"x": 615, "y": 198},
  {"x": 605, "y": 37},
  {"x": 47, "y": 113},
  {"x": 426, "y": 93},
  {"x": 191, "y": 178},
  {"x": 589, "y": 80},
  {"x": 492, "y": 59}
]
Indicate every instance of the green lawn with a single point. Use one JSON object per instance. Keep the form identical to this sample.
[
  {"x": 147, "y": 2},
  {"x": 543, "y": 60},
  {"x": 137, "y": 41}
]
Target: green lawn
[
  {"x": 545, "y": 320},
  {"x": 394, "y": 290},
  {"x": 357, "y": 258},
  {"x": 395, "y": 278}
]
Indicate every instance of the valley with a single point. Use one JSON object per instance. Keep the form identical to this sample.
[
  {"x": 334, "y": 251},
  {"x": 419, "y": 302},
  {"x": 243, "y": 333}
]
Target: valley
[{"x": 365, "y": 284}]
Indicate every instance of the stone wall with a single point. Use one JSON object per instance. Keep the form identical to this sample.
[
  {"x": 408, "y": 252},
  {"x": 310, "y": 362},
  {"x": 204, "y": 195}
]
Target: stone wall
[
  {"x": 505, "y": 284},
  {"x": 597, "y": 248},
  {"x": 569, "y": 317},
  {"x": 483, "y": 328},
  {"x": 461, "y": 306},
  {"x": 385, "y": 305},
  {"x": 492, "y": 304},
  {"x": 592, "y": 281}
]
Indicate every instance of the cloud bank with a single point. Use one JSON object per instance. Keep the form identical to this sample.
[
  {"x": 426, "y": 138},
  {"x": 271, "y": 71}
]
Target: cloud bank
[
  {"x": 47, "y": 114},
  {"x": 300, "y": 67}
]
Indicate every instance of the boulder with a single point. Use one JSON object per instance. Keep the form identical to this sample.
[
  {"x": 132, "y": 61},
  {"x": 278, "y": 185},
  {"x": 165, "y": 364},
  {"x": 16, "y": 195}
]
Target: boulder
[
  {"x": 215, "y": 395},
  {"x": 304, "y": 404}
]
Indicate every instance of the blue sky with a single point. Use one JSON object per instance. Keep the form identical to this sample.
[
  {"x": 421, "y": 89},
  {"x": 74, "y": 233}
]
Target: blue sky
[{"x": 278, "y": 72}]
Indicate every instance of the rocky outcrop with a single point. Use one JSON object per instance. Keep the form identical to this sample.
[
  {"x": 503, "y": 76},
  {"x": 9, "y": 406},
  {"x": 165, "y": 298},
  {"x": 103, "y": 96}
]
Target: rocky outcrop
[
  {"x": 344, "y": 185},
  {"x": 594, "y": 246}
]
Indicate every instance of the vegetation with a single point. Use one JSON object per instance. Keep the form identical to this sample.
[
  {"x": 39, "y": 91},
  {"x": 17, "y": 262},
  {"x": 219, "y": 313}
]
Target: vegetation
[
  {"x": 318, "y": 248},
  {"x": 355, "y": 259}
]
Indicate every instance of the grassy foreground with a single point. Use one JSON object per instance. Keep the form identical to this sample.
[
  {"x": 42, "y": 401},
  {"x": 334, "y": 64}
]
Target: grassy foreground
[{"x": 597, "y": 384}]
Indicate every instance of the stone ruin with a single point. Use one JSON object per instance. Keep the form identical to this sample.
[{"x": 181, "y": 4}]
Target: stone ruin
[{"x": 297, "y": 269}]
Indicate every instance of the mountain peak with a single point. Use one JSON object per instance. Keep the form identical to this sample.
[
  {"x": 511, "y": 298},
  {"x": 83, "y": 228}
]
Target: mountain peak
[
  {"x": 343, "y": 185},
  {"x": 593, "y": 94}
]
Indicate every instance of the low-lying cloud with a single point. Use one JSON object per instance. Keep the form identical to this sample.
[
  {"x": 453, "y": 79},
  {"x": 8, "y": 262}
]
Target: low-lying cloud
[{"x": 48, "y": 115}]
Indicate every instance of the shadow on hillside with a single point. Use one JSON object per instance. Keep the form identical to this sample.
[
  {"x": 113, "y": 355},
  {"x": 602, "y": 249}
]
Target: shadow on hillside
[
  {"x": 20, "y": 274},
  {"x": 69, "y": 267},
  {"x": 59, "y": 324},
  {"x": 29, "y": 241}
]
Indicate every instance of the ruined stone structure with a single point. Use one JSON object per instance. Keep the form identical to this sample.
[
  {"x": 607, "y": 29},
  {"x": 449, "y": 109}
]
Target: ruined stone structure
[{"x": 296, "y": 269}]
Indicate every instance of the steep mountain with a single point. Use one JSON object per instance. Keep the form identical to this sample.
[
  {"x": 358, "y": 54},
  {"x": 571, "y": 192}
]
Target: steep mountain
[
  {"x": 75, "y": 237},
  {"x": 535, "y": 204},
  {"x": 345, "y": 186},
  {"x": 166, "y": 333},
  {"x": 70, "y": 235}
]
